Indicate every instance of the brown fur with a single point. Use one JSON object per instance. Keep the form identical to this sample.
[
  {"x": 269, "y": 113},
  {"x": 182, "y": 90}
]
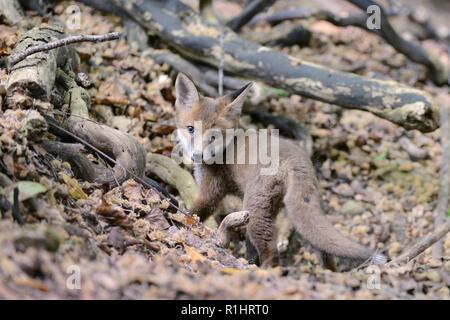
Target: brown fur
[{"x": 293, "y": 186}]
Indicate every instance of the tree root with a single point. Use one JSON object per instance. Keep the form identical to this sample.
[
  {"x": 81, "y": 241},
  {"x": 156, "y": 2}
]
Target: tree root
[
  {"x": 171, "y": 173},
  {"x": 231, "y": 221}
]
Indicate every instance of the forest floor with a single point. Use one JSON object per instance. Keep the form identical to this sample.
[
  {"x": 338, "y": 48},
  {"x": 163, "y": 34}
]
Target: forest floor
[{"x": 129, "y": 246}]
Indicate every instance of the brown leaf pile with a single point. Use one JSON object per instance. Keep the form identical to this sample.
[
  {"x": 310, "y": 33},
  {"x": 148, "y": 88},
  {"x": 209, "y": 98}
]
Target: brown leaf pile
[{"x": 125, "y": 244}]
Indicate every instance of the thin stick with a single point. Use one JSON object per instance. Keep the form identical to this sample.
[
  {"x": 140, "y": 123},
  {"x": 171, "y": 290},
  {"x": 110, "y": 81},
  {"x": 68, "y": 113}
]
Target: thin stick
[
  {"x": 441, "y": 209},
  {"x": 423, "y": 244},
  {"x": 62, "y": 42}
]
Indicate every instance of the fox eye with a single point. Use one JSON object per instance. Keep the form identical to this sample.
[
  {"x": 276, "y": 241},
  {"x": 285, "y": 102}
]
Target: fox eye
[{"x": 190, "y": 129}]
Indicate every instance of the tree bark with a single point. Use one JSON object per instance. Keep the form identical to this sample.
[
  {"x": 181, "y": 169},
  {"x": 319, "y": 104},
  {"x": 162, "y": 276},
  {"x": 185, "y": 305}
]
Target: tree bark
[{"x": 35, "y": 75}]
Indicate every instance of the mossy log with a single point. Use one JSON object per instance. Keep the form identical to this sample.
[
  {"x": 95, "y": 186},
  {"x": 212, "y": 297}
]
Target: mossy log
[{"x": 194, "y": 37}]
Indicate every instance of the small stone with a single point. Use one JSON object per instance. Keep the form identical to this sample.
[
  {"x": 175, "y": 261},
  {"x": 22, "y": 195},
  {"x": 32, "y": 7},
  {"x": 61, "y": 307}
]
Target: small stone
[
  {"x": 434, "y": 276},
  {"x": 352, "y": 208}
]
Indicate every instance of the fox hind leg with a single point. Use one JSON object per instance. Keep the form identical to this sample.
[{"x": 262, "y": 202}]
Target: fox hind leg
[{"x": 263, "y": 201}]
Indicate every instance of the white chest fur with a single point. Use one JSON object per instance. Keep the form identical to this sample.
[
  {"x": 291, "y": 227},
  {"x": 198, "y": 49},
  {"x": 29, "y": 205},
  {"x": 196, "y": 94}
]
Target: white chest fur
[{"x": 198, "y": 173}]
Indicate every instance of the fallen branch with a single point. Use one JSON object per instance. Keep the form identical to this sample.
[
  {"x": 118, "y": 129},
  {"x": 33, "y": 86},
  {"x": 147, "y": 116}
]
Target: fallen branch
[
  {"x": 441, "y": 211},
  {"x": 287, "y": 126},
  {"x": 73, "y": 153},
  {"x": 423, "y": 244},
  {"x": 124, "y": 148},
  {"x": 35, "y": 76},
  {"x": 197, "y": 39},
  {"x": 60, "y": 43},
  {"x": 184, "y": 66},
  {"x": 248, "y": 13},
  {"x": 357, "y": 19},
  {"x": 231, "y": 221},
  {"x": 414, "y": 51},
  {"x": 283, "y": 35},
  {"x": 171, "y": 173}
]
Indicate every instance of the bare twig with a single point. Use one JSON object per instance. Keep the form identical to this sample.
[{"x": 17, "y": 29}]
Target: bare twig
[
  {"x": 423, "y": 244},
  {"x": 444, "y": 174},
  {"x": 62, "y": 42},
  {"x": 414, "y": 151},
  {"x": 248, "y": 13}
]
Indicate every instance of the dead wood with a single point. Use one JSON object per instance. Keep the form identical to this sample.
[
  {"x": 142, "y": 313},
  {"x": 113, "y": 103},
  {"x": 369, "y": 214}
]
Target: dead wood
[
  {"x": 282, "y": 35},
  {"x": 231, "y": 83},
  {"x": 252, "y": 9},
  {"x": 357, "y": 19},
  {"x": 184, "y": 66},
  {"x": 441, "y": 210},
  {"x": 231, "y": 221},
  {"x": 35, "y": 76},
  {"x": 13, "y": 59},
  {"x": 423, "y": 244},
  {"x": 287, "y": 126},
  {"x": 74, "y": 154},
  {"x": 195, "y": 38},
  {"x": 414, "y": 51},
  {"x": 171, "y": 173},
  {"x": 127, "y": 152}
]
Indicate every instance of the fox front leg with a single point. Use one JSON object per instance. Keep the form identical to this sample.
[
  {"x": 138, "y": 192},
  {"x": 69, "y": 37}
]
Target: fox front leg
[{"x": 211, "y": 192}]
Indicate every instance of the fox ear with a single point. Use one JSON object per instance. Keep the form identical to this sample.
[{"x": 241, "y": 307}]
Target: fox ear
[
  {"x": 237, "y": 98},
  {"x": 186, "y": 92}
]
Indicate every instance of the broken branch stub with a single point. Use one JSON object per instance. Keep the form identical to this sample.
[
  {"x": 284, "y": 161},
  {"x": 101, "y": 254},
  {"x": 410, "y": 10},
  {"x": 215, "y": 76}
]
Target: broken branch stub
[
  {"x": 127, "y": 151},
  {"x": 194, "y": 37},
  {"x": 231, "y": 221},
  {"x": 35, "y": 75}
]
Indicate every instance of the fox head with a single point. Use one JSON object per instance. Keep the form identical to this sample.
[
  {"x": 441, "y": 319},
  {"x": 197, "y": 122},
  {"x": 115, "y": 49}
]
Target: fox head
[{"x": 204, "y": 123}]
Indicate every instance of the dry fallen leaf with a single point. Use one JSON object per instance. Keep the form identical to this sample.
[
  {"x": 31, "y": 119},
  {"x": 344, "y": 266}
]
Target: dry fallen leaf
[
  {"x": 75, "y": 189},
  {"x": 193, "y": 254}
]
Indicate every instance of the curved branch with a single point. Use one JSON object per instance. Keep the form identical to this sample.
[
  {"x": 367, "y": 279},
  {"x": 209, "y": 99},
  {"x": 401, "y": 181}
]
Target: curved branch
[{"x": 412, "y": 50}]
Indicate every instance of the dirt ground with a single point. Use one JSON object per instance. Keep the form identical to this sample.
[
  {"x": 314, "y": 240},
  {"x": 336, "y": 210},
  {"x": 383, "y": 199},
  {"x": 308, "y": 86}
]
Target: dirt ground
[{"x": 126, "y": 245}]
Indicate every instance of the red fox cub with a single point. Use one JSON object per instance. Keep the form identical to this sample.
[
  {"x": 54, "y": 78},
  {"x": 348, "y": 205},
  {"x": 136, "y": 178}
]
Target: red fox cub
[{"x": 291, "y": 182}]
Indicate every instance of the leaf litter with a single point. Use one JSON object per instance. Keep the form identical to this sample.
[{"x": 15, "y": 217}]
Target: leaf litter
[{"x": 127, "y": 245}]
